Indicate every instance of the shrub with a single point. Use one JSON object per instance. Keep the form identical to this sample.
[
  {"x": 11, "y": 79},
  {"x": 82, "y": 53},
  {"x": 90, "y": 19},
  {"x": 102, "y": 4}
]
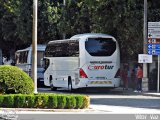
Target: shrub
[
  {"x": 61, "y": 101},
  {"x": 19, "y": 101},
  {"x": 79, "y": 101},
  {"x": 8, "y": 101},
  {"x": 44, "y": 101},
  {"x": 70, "y": 102},
  {"x": 29, "y": 101},
  {"x": 38, "y": 101},
  {"x": 1, "y": 100},
  {"x": 52, "y": 101},
  {"x": 41, "y": 101},
  {"x": 14, "y": 80},
  {"x": 86, "y": 102}
]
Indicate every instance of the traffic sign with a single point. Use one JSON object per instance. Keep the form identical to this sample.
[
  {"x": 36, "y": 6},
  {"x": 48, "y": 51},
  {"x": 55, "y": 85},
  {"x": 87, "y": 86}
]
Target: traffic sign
[
  {"x": 153, "y": 29},
  {"x": 154, "y": 49},
  {"x": 144, "y": 58},
  {"x": 153, "y": 24},
  {"x": 154, "y": 46},
  {"x": 153, "y": 35},
  {"x": 153, "y": 52},
  {"x": 153, "y": 40}
]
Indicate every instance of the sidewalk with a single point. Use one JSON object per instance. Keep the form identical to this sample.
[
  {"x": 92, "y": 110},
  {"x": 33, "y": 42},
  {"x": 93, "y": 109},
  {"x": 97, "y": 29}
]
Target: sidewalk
[
  {"x": 144, "y": 93},
  {"x": 42, "y": 111}
]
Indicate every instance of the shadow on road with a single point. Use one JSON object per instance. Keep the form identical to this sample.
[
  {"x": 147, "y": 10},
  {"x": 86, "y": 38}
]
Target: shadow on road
[{"x": 92, "y": 91}]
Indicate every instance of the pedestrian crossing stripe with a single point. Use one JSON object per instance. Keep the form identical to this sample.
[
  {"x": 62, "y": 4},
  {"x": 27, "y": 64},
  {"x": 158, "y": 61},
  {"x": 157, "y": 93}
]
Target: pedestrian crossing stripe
[{"x": 101, "y": 82}]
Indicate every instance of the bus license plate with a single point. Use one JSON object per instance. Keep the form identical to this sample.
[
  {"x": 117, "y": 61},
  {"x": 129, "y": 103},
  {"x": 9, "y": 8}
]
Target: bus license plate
[{"x": 101, "y": 82}]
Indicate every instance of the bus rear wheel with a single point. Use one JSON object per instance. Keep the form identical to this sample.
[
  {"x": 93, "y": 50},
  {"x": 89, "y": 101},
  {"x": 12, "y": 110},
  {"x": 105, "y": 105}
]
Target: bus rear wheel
[
  {"x": 52, "y": 87},
  {"x": 70, "y": 84}
]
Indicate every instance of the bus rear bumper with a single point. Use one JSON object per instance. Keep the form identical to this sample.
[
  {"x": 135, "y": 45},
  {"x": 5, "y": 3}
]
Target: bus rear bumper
[{"x": 97, "y": 83}]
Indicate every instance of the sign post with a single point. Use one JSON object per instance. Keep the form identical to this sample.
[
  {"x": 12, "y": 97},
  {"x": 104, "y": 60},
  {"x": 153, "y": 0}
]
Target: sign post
[
  {"x": 158, "y": 75},
  {"x": 144, "y": 58},
  {"x": 145, "y": 75},
  {"x": 154, "y": 43}
]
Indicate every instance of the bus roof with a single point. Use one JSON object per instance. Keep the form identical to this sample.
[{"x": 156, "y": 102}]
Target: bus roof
[
  {"x": 76, "y": 37},
  {"x": 90, "y": 35},
  {"x": 40, "y": 47},
  {"x": 50, "y": 42}
]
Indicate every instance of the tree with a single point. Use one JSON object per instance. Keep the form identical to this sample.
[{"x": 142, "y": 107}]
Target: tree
[
  {"x": 121, "y": 18},
  {"x": 8, "y": 26}
]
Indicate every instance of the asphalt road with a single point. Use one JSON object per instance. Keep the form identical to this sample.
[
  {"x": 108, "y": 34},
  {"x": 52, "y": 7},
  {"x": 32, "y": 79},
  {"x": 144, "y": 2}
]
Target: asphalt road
[{"x": 116, "y": 100}]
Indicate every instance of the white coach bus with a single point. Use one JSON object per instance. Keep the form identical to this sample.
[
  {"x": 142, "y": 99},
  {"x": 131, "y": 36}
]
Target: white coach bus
[
  {"x": 85, "y": 60},
  {"x": 24, "y": 61}
]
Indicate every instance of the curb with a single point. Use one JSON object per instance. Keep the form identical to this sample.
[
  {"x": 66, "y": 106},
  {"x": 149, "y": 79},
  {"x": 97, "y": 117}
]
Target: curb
[
  {"x": 38, "y": 110},
  {"x": 143, "y": 93},
  {"x": 151, "y": 94}
]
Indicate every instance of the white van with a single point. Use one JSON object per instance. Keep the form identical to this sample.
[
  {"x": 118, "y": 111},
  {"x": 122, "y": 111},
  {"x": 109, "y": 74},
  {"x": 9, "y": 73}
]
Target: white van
[
  {"x": 85, "y": 60},
  {"x": 24, "y": 61}
]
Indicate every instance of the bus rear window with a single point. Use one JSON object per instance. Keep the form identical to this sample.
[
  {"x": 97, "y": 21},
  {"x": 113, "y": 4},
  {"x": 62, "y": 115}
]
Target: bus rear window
[
  {"x": 100, "y": 46},
  {"x": 62, "y": 49},
  {"x": 21, "y": 57}
]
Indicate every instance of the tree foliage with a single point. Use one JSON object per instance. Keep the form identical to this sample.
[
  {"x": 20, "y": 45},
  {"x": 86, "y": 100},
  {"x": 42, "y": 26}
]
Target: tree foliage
[{"x": 121, "y": 18}]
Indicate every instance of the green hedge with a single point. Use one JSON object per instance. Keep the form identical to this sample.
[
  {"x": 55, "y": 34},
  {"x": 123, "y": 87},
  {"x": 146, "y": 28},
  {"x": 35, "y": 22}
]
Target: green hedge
[{"x": 49, "y": 101}]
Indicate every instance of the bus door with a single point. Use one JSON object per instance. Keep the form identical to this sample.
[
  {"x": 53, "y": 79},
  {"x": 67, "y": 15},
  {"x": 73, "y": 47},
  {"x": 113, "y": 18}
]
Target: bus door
[{"x": 40, "y": 69}]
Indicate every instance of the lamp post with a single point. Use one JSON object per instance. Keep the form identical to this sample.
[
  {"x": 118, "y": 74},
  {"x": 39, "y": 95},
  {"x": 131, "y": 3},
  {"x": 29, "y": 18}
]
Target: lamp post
[{"x": 34, "y": 45}]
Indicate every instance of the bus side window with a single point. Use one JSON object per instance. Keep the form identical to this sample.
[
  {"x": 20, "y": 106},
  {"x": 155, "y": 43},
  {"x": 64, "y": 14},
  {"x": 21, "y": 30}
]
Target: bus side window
[{"x": 45, "y": 63}]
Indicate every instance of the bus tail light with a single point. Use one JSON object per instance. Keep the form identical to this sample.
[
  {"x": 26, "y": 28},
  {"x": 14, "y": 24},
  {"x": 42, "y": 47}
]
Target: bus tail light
[
  {"x": 82, "y": 73},
  {"x": 117, "y": 74}
]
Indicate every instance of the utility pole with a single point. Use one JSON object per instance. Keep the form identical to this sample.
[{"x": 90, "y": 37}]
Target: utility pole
[
  {"x": 145, "y": 41},
  {"x": 64, "y": 32},
  {"x": 34, "y": 45}
]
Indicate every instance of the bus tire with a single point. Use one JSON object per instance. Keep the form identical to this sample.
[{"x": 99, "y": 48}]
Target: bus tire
[
  {"x": 53, "y": 88},
  {"x": 70, "y": 84}
]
